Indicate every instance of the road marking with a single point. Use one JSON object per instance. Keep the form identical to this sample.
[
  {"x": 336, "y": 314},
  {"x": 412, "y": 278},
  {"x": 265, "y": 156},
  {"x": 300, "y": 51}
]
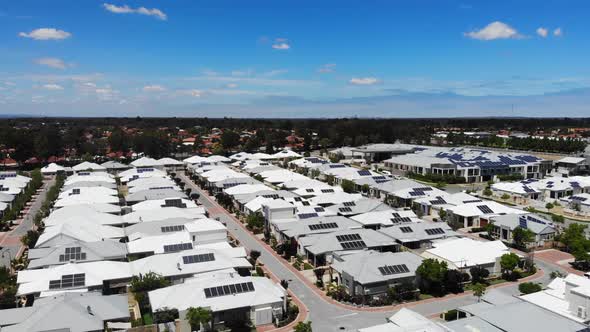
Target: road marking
[{"x": 347, "y": 315}]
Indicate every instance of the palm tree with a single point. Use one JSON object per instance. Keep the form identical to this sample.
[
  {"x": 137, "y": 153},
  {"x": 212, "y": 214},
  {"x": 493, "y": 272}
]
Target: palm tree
[{"x": 198, "y": 317}]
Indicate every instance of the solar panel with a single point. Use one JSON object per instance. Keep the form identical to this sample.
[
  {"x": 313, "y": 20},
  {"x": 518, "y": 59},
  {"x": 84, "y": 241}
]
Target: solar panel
[
  {"x": 348, "y": 237},
  {"x": 438, "y": 201},
  {"x": 305, "y": 203},
  {"x": 309, "y": 190},
  {"x": 307, "y": 215},
  {"x": 192, "y": 259},
  {"x": 337, "y": 166},
  {"x": 319, "y": 209},
  {"x": 274, "y": 196},
  {"x": 68, "y": 281},
  {"x": 173, "y": 228},
  {"x": 416, "y": 193},
  {"x": 528, "y": 189},
  {"x": 406, "y": 229},
  {"x": 578, "y": 198},
  {"x": 472, "y": 201},
  {"x": 434, "y": 231},
  {"x": 349, "y": 204},
  {"x": 345, "y": 209},
  {"x": 423, "y": 189},
  {"x": 329, "y": 225},
  {"x": 364, "y": 172},
  {"x": 327, "y": 191},
  {"x": 395, "y": 215},
  {"x": 72, "y": 254},
  {"x": 538, "y": 221},
  {"x": 393, "y": 269},
  {"x": 232, "y": 289},
  {"x": 297, "y": 199},
  {"x": 177, "y": 247},
  {"x": 485, "y": 209},
  {"x": 399, "y": 220},
  {"x": 351, "y": 245},
  {"x": 522, "y": 222}
]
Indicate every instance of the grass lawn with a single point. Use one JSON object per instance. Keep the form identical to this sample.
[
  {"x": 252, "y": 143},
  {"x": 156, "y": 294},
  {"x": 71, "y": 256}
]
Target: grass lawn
[{"x": 425, "y": 296}]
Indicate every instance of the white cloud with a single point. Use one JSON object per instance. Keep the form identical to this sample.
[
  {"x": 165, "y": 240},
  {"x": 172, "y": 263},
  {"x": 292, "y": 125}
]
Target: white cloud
[
  {"x": 191, "y": 92},
  {"x": 141, "y": 10},
  {"x": 281, "y": 44},
  {"x": 46, "y": 34},
  {"x": 542, "y": 32},
  {"x": 52, "y": 87},
  {"x": 153, "y": 88},
  {"x": 494, "y": 30},
  {"x": 363, "y": 81},
  {"x": 52, "y": 62},
  {"x": 231, "y": 85},
  {"x": 327, "y": 68},
  {"x": 558, "y": 32}
]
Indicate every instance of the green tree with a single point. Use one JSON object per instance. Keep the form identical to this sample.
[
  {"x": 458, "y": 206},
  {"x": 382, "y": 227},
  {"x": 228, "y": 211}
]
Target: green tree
[
  {"x": 143, "y": 283},
  {"x": 431, "y": 275},
  {"x": 303, "y": 327},
  {"x": 255, "y": 222},
  {"x": 478, "y": 274},
  {"x": 508, "y": 263},
  {"x": 347, "y": 186},
  {"x": 549, "y": 206},
  {"x": 198, "y": 317},
  {"x": 558, "y": 218},
  {"x": 529, "y": 287},
  {"x": 479, "y": 290},
  {"x": 230, "y": 139},
  {"x": 487, "y": 192},
  {"x": 522, "y": 237}
]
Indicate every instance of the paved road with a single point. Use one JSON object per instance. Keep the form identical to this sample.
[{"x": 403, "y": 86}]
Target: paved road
[{"x": 11, "y": 241}]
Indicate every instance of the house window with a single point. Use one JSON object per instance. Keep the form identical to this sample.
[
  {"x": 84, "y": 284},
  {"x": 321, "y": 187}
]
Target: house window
[{"x": 582, "y": 312}]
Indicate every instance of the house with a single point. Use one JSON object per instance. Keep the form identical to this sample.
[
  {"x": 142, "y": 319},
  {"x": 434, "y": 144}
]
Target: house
[
  {"x": 406, "y": 320},
  {"x": 416, "y": 235},
  {"x": 91, "y": 191},
  {"x": 499, "y": 312},
  {"x": 68, "y": 312},
  {"x": 158, "y": 194},
  {"x": 572, "y": 166},
  {"x": 319, "y": 248},
  {"x": 464, "y": 253},
  {"x": 76, "y": 251},
  {"x": 228, "y": 296},
  {"x": 291, "y": 231},
  {"x": 360, "y": 206},
  {"x": 328, "y": 199},
  {"x": 277, "y": 209},
  {"x": 146, "y": 162},
  {"x": 90, "y": 197},
  {"x": 81, "y": 230},
  {"x": 504, "y": 226},
  {"x": 385, "y": 218},
  {"x": 516, "y": 189},
  {"x": 200, "y": 231},
  {"x": 176, "y": 202},
  {"x": 478, "y": 213},
  {"x": 372, "y": 273},
  {"x": 52, "y": 169},
  {"x": 580, "y": 202},
  {"x": 114, "y": 166},
  {"x": 567, "y": 297},
  {"x": 87, "y": 166},
  {"x": 157, "y": 213}
]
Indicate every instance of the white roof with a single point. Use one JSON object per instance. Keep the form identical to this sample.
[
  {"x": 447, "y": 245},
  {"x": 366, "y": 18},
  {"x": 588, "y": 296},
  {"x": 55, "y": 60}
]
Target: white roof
[
  {"x": 52, "y": 168},
  {"x": 86, "y": 165},
  {"x": 571, "y": 160},
  {"x": 99, "y": 191},
  {"x": 145, "y": 162},
  {"x": 159, "y": 214},
  {"x": 158, "y": 203},
  {"x": 287, "y": 154},
  {"x": 240, "y": 156},
  {"x": 93, "y": 177},
  {"x": 246, "y": 189},
  {"x": 256, "y": 204},
  {"x": 144, "y": 173},
  {"x": 169, "y": 161},
  {"x": 335, "y": 198},
  {"x": 218, "y": 158},
  {"x": 82, "y": 229},
  {"x": 515, "y": 187},
  {"x": 192, "y": 294},
  {"x": 73, "y": 214},
  {"x": 382, "y": 217},
  {"x": 195, "y": 160},
  {"x": 86, "y": 198},
  {"x": 262, "y": 156},
  {"x": 472, "y": 209},
  {"x": 467, "y": 252}
]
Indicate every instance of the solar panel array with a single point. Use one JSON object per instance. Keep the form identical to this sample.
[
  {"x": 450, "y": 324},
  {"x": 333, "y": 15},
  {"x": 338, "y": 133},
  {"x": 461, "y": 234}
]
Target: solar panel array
[
  {"x": 243, "y": 287},
  {"x": 345, "y": 209},
  {"x": 485, "y": 209},
  {"x": 328, "y": 225},
  {"x": 72, "y": 254},
  {"x": 434, "y": 231},
  {"x": 325, "y": 191},
  {"x": 395, "y": 215},
  {"x": 144, "y": 170},
  {"x": 200, "y": 258},
  {"x": 337, "y": 166},
  {"x": 307, "y": 215},
  {"x": 438, "y": 201},
  {"x": 310, "y": 190},
  {"x": 399, "y": 220},
  {"x": 387, "y": 270},
  {"x": 173, "y": 228},
  {"x": 305, "y": 203},
  {"x": 351, "y": 241},
  {"x": 349, "y": 204},
  {"x": 472, "y": 201},
  {"x": 528, "y": 189},
  {"x": 319, "y": 209},
  {"x": 364, "y": 172},
  {"x": 273, "y": 196},
  {"x": 178, "y": 247},
  {"x": 174, "y": 202},
  {"x": 406, "y": 229},
  {"x": 522, "y": 222},
  {"x": 579, "y": 198},
  {"x": 68, "y": 281},
  {"x": 348, "y": 237}
]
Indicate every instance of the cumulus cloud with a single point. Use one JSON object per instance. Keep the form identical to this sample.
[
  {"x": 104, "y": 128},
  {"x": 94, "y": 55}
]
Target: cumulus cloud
[
  {"x": 494, "y": 30},
  {"x": 153, "y": 88},
  {"x": 52, "y": 63},
  {"x": 155, "y": 12},
  {"x": 281, "y": 44},
  {"x": 46, "y": 34},
  {"x": 558, "y": 32},
  {"x": 52, "y": 87},
  {"x": 542, "y": 32},
  {"x": 327, "y": 68},
  {"x": 363, "y": 81}
]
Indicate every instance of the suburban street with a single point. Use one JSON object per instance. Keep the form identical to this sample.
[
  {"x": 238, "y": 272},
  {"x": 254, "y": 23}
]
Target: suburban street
[
  {"x": 325, "y": 315},
  {"x": 11, "y": 240}
]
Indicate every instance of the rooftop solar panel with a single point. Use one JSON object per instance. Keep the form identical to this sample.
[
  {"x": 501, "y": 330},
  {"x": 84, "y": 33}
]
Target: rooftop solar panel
[{"x": 393, "y": 269}]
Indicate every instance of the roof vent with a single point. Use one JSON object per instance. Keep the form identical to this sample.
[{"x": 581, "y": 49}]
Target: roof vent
[{"x": 89, "y": 309}]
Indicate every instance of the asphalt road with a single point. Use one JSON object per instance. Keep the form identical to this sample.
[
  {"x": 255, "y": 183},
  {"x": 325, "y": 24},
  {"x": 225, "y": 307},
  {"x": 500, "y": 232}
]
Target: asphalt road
[
  {"x": 326, "y": 316},
  {"x": 27, "y": 224}
]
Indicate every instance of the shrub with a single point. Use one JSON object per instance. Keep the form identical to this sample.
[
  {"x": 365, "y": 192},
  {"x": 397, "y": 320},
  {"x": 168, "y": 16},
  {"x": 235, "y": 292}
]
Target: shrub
[
  {"x": 529, "y": 287},
  {"x": 549, "y": 206}
]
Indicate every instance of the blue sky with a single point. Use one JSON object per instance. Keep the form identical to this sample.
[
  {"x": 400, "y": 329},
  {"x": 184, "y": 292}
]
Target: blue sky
[{"x": 294, "y": 58}]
